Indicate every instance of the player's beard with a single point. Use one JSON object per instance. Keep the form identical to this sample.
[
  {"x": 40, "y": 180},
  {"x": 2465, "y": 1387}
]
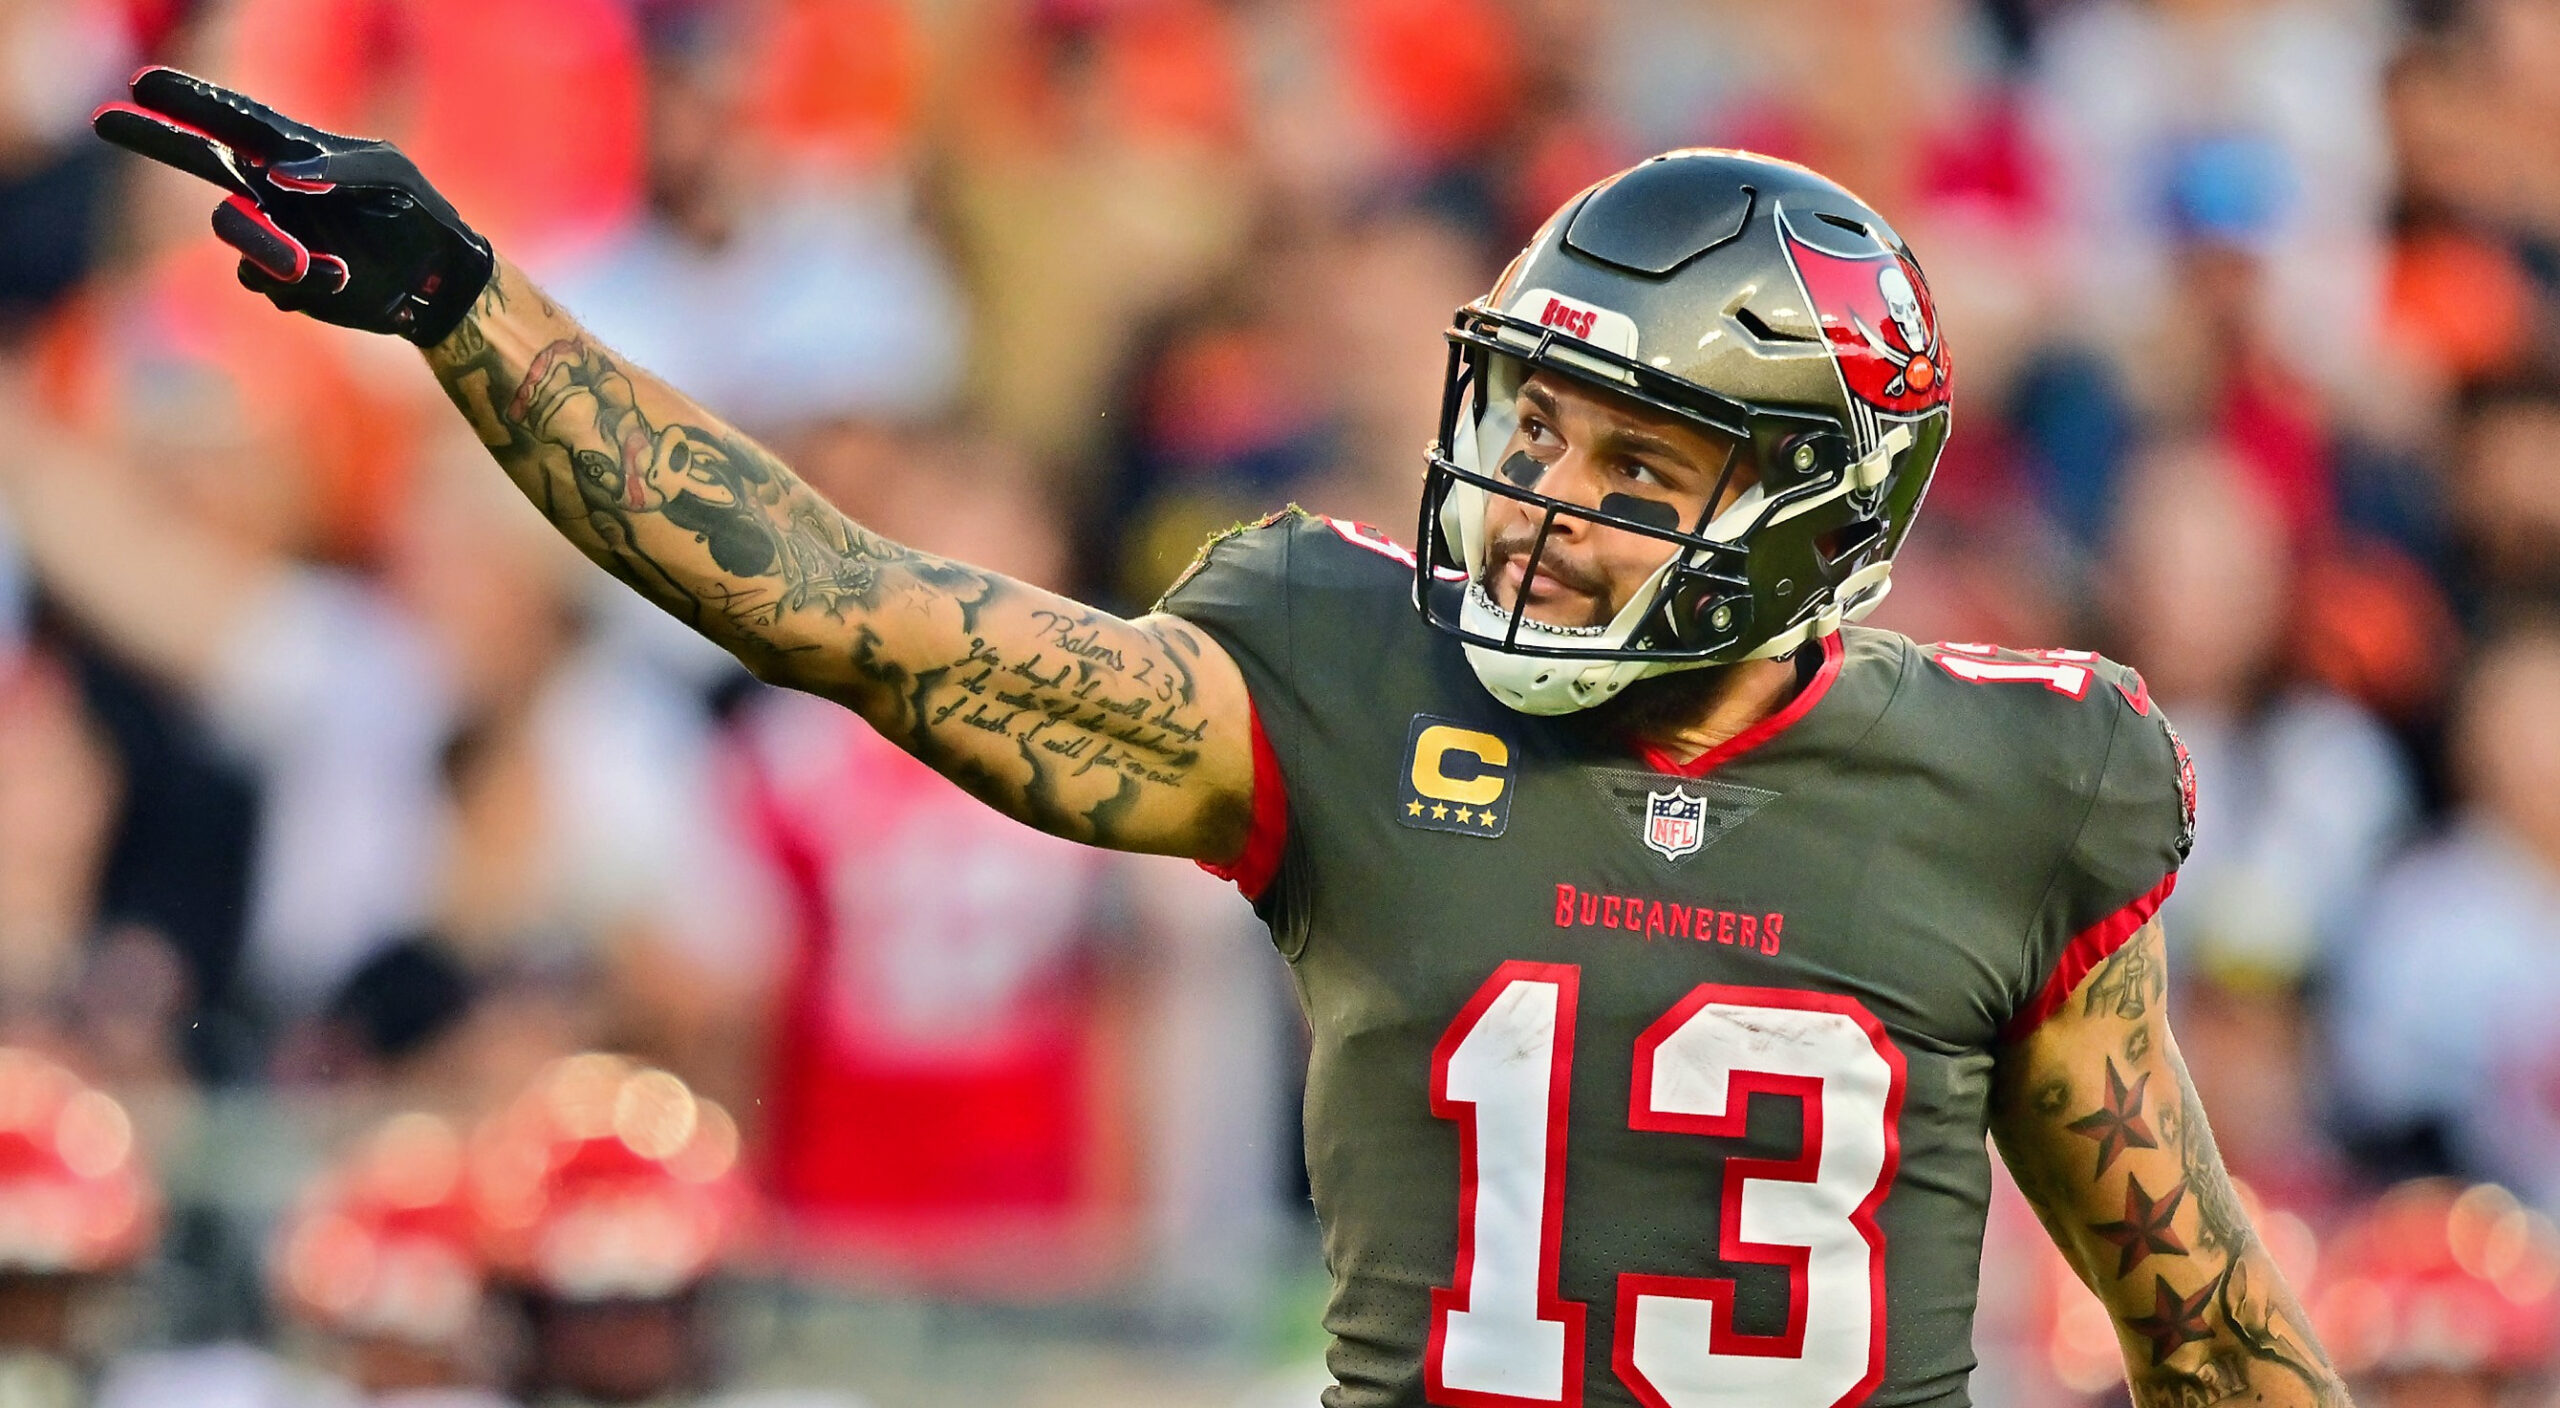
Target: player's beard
[{"x": 1513, "y": 544}]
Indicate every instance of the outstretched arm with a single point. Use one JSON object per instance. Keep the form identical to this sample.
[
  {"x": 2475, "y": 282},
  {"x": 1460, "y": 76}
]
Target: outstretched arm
[
  {"x": 1132, "y": 734},
  {"x": 2097, "y": 1119},
  {"x": 1129, "y": 734}
]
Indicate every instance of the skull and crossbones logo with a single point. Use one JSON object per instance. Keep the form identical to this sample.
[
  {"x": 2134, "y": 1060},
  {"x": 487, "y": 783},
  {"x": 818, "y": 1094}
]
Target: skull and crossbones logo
[{"x": 1917, "y": 368}]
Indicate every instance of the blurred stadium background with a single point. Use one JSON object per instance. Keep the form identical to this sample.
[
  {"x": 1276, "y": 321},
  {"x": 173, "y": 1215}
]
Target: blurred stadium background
[{"x": 333, "y": 791}]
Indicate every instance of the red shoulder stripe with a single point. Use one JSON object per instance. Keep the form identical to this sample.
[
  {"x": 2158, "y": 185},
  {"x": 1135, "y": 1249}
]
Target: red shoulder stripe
[
  {"x": 2088, "y": 948},
  {"x": 1254, "y": 866}
]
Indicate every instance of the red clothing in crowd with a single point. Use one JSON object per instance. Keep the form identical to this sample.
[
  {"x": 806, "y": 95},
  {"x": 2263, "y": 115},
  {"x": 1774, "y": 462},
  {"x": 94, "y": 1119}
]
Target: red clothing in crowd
[{"x": 934, "y": 1091}]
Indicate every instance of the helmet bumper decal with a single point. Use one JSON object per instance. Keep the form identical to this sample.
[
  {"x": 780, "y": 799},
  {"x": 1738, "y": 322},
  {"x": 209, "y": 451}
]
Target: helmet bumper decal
[{"x": 1604, "y": 328}]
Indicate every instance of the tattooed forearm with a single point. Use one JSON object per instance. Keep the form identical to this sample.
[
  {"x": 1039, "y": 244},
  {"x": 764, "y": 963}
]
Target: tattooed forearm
[
  {"x": 1076, "y": 721},
  {"x": 2104, "y": 1131}
]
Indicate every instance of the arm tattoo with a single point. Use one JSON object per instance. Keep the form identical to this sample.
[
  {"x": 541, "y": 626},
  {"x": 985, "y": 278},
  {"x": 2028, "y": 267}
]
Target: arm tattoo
[
  {"x": 2147, "y": 1228},
  {"x": 2156, "y": 1223},
  {"x": 2130, "y": 983},
  {"x": 2118, "y": 1124},
  {"x": 1056, "y": 714}
]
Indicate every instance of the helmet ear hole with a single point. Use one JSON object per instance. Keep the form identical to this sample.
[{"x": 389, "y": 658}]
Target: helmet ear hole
[{"x": 1848, "y": 540}]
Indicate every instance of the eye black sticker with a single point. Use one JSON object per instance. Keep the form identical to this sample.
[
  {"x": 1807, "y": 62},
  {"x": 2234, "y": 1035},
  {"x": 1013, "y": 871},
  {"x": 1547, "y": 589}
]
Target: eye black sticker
[
  {"x": 1523, "y": 469},
  {"x": 1652, "y": 513}
]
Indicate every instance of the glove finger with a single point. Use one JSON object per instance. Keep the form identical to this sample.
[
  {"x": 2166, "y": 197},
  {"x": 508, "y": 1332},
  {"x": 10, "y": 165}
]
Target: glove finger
[
  {"x": 284, "y": 295},
  {"x": 329, "y": 274},
  {"x": 372, "y": 164},
  {"x": 248, "y": 126},
  {"x": 291, "y": 297},
  {"x": 171, "y": 143},
  {"x": 246, "y": 228},
  {"x": 310, "y": 176}
]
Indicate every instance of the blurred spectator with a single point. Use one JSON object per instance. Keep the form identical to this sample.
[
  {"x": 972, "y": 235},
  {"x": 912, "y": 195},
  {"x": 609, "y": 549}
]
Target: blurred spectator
[
  {"x": 77, "y": 1210},
  {"x": 607, "y": 1198},
  {"x": 2506, "y": 520},
  {"x": 1311, "y": 372},
  {"x": 2476, "y": 111},
  {"x": 536, "y": 133},
  {"x": 381, "y": 1259},
  {"x": 172, "y": 559},
  {"x": 1095, "y": 177},
  {"x": 17, "y": 595},
  {"x": 941, "y": 1104},
  {"x": 2301, "y": 794},
  {"x": 63, "y": 57},
  {"x": 785, "y": 295},
  {"x": 2440, "y": 1029},
  {"x": 2245, "y": 122},
  {"x": 2253, "y": 1046},
  {"x": 2440, "y": 1296},
  {"x": 570, "y": 774},
  {"x": 59, "y": 794},
  {"x": 2461, "y": 299},
  {"x": 839, "y": 83},
  {"x": 437, "y": 759}
]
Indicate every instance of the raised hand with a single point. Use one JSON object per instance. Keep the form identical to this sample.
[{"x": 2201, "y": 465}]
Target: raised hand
[{"x": 342, "y": 228}]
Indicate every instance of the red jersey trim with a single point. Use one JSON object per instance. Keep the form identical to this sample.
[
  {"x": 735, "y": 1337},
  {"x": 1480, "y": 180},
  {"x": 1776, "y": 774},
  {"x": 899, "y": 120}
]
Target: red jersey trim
[
  {"x": 2089, "y": 948},
  {"x": 1833, "y": 652},
  {"x": 1254, "y": 866}
]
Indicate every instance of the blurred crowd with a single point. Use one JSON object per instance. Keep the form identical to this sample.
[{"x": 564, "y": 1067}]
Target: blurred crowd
[{"x": 342, "y": 807}]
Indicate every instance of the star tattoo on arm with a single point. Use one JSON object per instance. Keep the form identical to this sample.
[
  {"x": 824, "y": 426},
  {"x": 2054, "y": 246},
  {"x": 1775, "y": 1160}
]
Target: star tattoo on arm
[
  {"x": 2119, "y": 1124},
  {"x": 2175, "y": 1321},
  {"x": 2147, "y": 1226},
  {"x": 2154, "y": 1203}
]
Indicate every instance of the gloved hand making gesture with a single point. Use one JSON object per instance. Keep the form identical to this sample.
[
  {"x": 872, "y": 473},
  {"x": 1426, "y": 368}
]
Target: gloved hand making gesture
[{"x": 342, "y": 228}]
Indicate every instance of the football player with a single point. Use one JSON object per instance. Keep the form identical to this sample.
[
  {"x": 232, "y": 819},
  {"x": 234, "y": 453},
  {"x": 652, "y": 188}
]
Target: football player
[
  {"x": 78, "y": 1212},
  {"x": 1669, "y": 946},
  {"x": 380, "y": 1260}
]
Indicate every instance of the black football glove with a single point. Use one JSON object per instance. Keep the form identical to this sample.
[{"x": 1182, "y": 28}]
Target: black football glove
[{"x": 341, "y": 228}]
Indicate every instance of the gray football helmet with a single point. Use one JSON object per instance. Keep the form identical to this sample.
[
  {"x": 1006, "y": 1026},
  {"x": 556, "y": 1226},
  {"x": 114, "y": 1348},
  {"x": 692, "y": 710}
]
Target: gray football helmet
[{"x": 1766, "y": 304}]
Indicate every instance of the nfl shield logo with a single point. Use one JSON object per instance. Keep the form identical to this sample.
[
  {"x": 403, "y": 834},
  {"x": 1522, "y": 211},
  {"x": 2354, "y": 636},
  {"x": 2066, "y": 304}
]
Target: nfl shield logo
[{"x": 1674, "y": 823}]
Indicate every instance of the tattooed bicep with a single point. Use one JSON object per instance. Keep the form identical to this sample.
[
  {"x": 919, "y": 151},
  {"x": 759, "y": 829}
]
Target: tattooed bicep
[{"x": 2101, "y": 1125}]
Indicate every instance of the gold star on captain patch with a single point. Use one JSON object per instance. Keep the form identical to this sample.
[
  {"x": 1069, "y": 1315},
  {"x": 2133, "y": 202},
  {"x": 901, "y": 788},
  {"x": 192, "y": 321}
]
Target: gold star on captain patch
[
  {"x": 1465, "y": 815},
  {"x": 1488, "y": 821},
  {"x": 1413, "y": 808},
  {"x": 1439, "y": 812}
]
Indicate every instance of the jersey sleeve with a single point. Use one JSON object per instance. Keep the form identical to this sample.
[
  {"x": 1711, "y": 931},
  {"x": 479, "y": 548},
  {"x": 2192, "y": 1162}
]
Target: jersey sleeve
[
  {"x": 2138, "y": 820},
  {"x": 1238, "y": 590}
]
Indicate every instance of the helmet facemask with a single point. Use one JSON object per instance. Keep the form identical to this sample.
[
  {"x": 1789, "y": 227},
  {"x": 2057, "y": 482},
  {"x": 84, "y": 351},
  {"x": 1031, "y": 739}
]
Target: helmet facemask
[{"x": 1705, "y": 604}]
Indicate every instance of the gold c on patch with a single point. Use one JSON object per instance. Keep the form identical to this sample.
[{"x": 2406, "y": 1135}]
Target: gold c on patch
[{"x": 1455, "y": 778}]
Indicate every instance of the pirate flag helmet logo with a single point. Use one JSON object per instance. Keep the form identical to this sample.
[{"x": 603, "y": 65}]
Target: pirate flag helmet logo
[{"x": 1877, "y": 315}]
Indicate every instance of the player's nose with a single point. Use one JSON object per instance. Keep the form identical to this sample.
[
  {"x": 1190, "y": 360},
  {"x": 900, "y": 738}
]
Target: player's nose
[{"x": 1574, "y": 478}]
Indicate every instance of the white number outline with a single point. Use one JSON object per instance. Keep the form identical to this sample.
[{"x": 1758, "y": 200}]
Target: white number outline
[
  {"x": 1458, "y": 1297},
  {"x": 1736, "y": 1175},
  {"x": 2065, "y": 672}
]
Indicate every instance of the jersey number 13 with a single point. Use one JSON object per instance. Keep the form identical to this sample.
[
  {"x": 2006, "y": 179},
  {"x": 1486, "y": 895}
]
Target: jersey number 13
[{"x": 1502, "y": 1338}]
